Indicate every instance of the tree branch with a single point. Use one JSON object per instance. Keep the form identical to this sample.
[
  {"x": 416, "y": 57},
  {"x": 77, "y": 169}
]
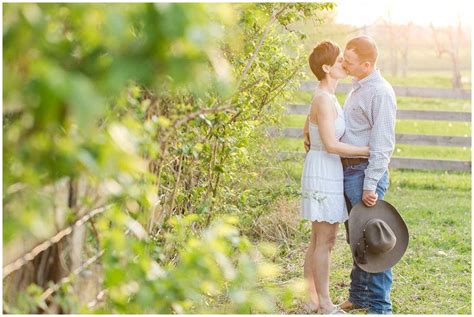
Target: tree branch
[{"x": 257, "y": 49}]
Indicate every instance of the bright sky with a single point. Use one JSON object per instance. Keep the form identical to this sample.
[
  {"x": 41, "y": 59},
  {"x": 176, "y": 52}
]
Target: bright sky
[{"x": 422, "y": 12}]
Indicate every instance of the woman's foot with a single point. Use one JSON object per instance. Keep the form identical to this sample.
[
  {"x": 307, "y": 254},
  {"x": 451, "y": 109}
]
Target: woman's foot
[
  {"x": 310, "y": 307},
  {"x": 335, "y": 310}
]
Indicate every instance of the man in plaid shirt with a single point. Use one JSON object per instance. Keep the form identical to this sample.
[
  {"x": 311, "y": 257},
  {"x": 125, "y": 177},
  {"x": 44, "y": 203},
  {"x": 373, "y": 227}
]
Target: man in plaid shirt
[{"x": 370, "y": 113}]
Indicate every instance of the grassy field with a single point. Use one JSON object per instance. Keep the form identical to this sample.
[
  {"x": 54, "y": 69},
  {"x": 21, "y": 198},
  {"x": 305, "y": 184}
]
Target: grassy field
[
  {"x": 434, "y": 276},
  {"x": 421, "y": 78},
  {"x": 401, "y": 150},
  {"x": 435, "y": 79},
  {"x": 406, "y": 103},
  {"x": 405, "y": 126}
]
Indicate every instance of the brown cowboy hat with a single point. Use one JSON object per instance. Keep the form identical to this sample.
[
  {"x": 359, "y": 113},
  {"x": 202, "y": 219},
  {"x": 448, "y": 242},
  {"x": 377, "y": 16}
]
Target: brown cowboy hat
[{"x": 378, "y": 236}]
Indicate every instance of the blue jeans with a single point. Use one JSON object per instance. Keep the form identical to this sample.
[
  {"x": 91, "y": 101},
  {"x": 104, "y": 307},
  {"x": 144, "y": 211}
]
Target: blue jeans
[{"x": 371, "y": 290}]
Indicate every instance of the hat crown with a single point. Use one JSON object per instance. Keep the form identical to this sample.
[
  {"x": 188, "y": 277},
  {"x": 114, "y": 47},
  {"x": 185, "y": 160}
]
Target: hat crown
[{"x": 379, "y": 237}]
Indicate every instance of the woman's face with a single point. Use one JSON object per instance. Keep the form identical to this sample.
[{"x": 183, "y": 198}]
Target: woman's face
[{"x": 337, "y": 70}]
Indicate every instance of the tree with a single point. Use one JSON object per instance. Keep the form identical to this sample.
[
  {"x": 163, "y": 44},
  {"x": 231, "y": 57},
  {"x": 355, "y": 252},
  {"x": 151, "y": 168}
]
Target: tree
[
  {"x": 393, "y": 44},
  {"x": 403, "y": 49},
  {"x": 452, "y": 50}
]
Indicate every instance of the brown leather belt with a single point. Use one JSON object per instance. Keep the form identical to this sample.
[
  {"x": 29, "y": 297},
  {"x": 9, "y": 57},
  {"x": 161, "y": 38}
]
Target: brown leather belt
[{"x": 352, "y": 161}]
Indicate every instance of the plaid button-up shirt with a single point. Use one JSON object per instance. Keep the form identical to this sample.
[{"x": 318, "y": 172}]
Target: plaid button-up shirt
[{"x": 370, "y": 114}]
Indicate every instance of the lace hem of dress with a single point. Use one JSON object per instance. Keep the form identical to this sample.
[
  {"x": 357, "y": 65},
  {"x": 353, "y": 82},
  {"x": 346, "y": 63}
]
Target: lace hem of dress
[{"x": 322, "y": 219}]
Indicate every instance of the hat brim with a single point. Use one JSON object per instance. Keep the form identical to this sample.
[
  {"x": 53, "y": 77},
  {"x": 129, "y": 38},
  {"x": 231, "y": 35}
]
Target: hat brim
[{"x": 359, "y": 216}]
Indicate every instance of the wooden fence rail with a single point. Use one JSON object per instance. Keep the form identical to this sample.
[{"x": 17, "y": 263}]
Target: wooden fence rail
[
  {"x": 406, "y": 162},
  {"x": 30, "y": 255},
  {"x": 403, "y": 91},
  {"x": 434, "y": 115},
  {"x": 411, "y": 139}
]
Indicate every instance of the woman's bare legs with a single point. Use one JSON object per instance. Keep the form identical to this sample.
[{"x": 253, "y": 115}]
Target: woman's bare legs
[
  {"x": 326, "y": 239},
  {"x": 308, "y": 271}
]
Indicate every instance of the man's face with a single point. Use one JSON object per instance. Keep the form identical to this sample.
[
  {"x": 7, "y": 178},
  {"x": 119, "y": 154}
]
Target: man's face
[{"x": 352, "y": 64}]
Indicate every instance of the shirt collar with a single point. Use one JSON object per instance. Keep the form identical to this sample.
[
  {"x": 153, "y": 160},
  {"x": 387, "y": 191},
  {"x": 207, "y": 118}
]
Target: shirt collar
[{"x": 372, "y": 76}]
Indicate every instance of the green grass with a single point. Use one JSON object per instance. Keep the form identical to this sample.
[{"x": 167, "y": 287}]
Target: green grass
[
  {"x": 438, "y": 260},
  {"x": 401, "y": 150},
  {"x": 433, "y": 127},
  {"x": 417, "y": 103},
  {"x": 406, "y": 103},
  {"x": 420, "y": 78},
  {"x": 432, "y": 180},
  {"x": 434, "y": 276},
  {"x": 404, "y": 126},
  {"x": 432, "y": 152},
  {"x": 435, "y": 79}
]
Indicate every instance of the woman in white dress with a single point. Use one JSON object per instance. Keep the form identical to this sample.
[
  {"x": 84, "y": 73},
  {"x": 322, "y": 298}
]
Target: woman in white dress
[{"x": 322, "y": 179}]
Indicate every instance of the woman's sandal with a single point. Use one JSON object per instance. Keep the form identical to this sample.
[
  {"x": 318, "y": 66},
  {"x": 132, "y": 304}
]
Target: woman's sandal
[
  {"x": 309, "y": 308},
  {"x": 336, "y": 311}
]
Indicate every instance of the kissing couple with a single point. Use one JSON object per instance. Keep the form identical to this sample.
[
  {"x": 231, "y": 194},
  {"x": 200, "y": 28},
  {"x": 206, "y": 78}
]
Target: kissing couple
[{"x": 345, "y": 177}]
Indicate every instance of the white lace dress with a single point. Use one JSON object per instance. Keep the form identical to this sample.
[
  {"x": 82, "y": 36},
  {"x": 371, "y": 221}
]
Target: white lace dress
[{"x": 322, "y": 180}]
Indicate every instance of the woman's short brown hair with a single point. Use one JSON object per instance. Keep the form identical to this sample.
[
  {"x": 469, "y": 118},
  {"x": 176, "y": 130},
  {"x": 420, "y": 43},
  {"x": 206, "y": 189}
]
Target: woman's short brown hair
[
  {"x": 365, "y": 48},
  {"x": 325, "y": 53}
]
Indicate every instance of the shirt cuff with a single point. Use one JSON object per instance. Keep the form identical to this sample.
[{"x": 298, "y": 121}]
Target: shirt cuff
[{"x": 370, "y": 184}]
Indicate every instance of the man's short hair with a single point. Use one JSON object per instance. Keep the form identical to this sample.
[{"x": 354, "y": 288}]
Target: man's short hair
[
  {"x": 365, "y": 48},
  {"x": 325, "y": 53}
]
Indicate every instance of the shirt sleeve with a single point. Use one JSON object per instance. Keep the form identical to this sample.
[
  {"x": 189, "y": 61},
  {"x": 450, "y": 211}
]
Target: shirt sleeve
[{"x": 382, "y": 138}]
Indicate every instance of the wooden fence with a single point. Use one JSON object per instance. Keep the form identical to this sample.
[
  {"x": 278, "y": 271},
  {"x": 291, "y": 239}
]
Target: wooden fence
[
  {"x": 27, "y": 251},
  {"x": 412, "y": 139},
  {"x": 404, "y": 91}
]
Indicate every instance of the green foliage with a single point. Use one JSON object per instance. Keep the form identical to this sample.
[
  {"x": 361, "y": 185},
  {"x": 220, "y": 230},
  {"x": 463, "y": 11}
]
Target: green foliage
[
  {"x": 162, "y": 110},
  {"x": 216, "y": 264}
]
